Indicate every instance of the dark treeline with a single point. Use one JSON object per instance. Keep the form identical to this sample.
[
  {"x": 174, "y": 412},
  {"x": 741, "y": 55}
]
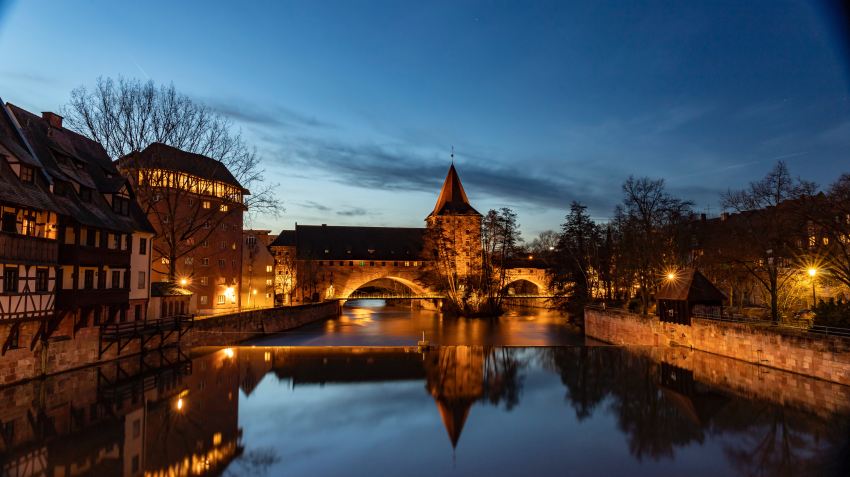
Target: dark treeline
[{"x": 775, "y": 239}]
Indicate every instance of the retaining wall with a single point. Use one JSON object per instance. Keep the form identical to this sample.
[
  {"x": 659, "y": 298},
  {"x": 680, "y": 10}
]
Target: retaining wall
[
  {"x": 824, "y": 357},
  {"x": 67, "y": 350},
  {"x": 223, "y": 330}
]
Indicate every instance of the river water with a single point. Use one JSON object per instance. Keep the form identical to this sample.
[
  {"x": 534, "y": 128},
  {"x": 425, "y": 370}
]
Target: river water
[{"x": 519, "y": 396}]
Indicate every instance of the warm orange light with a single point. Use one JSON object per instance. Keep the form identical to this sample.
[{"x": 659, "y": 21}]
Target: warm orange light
[
  {"x": 179, "y": 404},
  {"x": 184, "y": 282},
  {"x": 813, "y": 272},
  {"x": 671, "y": 276},
  {"x": 228, "y": 352},
  {"x": 254, "y": 291}
]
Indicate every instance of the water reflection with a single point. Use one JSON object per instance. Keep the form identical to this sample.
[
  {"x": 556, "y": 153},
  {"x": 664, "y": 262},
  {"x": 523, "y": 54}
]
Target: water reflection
[
  {"x": 457, "y": 409},
  {"x": 371, "y": 323}
]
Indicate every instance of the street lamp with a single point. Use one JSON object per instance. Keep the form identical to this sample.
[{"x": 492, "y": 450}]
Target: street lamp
[{"x": 813, "y": 273}]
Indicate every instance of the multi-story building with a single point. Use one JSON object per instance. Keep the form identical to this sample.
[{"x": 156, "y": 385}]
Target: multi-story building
[
  {"x": 29, "y": 250},
  {"x": 283, "y": 250},
  {"x": 196, "y": 206},
  {"x": 257, "y": 270},
  {"x": 98, "y": 221}
]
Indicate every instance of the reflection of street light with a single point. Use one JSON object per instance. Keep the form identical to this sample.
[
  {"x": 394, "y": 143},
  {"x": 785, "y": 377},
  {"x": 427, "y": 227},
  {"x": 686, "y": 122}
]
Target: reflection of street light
[
  {"x": 179, "y": 404},
  {"x": 228, "y": 352},
  {"x": 813, "y": 273}
]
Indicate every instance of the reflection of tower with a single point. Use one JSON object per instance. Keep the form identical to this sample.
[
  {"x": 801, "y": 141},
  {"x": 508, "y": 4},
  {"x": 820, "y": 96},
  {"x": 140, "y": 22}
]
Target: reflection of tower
[
  {"x": 455, "y": 378},
  {"x": 456, "y": 227}
]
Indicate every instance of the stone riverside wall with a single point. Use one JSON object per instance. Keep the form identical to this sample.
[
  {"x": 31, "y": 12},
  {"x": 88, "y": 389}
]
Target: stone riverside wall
[
  {"x": 824, "y": 357},
  {"x": 67, "y": 350},
  {"x": 824, "y": 398},
  {"x": 223, "y": 330}
]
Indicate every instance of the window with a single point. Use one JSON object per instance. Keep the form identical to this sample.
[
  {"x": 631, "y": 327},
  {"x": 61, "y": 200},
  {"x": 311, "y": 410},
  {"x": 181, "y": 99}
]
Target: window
[
  {"x": 27, "y": 174},
  {"x": 116, "y": 241},
  {"x": 166, "y": 218},
  {"x": 221, "y": 262},
  {"x": 120, "y": 205},
  {"x": 222, "y": 208},
  {"x": 251, "y": 240},
  {"x": 85, "y": 194},
  {"x": 142, "y": 281},
  {"x": 88, "y": 279},
  {"x": 137, "y": 315},
  {"x": 269, "y": 268},
  {"x": 143, "y": 246},
  {"x": 204, "y": 299},
  {"x": 165, "y": 260},
  {"x": 233, "y": 246},
  {"x": 205, "y": 243},
  {"x": 41, "y": 277},
  {"x": 223, "y": 226},
  {"x": 9, "y": 223},
  {"x": 206, "y": 226},
  {"x": 205, "y": 261},
  {"x": 220, "y": 299},
  {"x": 205, "y": 280},
  {"x": 10, "y": 280},
  {"x": 205, "y": 204},
  {"x": 222, "y": 245},
  {"x": 90, "y": 237},
  {"x": 190, "y": 260},
  {"x": 269, "y": 282},
  {"x": 116, "y": 279}
]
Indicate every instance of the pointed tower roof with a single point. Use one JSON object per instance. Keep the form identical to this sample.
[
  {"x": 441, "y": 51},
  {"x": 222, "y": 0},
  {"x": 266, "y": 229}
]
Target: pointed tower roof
[
  {"x": 453, "y": 200},
  {"x": 454, "y": 412}
]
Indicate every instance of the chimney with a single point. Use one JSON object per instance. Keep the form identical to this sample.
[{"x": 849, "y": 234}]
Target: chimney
[
  {"x": 52, "y": 118},
  {"x": 702, "y": 217}
]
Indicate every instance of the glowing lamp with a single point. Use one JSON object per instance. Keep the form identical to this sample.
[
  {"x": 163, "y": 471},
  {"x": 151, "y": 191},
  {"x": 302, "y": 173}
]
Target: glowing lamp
[
  {"x": 813, "y": 272},
  {"x": 228, "y": 352}
]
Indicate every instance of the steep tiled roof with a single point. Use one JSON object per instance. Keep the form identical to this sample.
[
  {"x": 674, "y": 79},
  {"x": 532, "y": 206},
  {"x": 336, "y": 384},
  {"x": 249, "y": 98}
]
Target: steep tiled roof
[
  {"x": 12, "y": 190},
  {"x": 69, "y": 157},
  {"x": 691, "y": 286},
  {"x": 285, "y": 238},
  {"x": 324, "y": 242},
  {"x": 163, "y": 156},
  {"x": 453, "y": 200}
]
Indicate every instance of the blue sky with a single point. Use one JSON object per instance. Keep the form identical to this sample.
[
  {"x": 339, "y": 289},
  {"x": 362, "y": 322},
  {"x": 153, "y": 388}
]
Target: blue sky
[{"x": 354, "y": 105}]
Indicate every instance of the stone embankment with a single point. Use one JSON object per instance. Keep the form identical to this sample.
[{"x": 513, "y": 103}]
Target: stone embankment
[
  {"x": 69, "y": 349},
  {"x": 824, "y": 357}
]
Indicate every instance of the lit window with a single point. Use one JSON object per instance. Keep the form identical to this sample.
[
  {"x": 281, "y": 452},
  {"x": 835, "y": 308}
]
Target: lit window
[
  {"x": 269, "y": 282},
  {"x": 222, "y": 208},
  {"x": 221, "y": 299},
  {"x": 268, "y": 268},
  {"x": 204, "y": 299},
  {"x": 205, "y": 261},
  {"x": 190, "y": 260},
  {"x": 221, "y": 262},
  {"x": 206, "y": 204},
  {"x": 204, "y": 280}
]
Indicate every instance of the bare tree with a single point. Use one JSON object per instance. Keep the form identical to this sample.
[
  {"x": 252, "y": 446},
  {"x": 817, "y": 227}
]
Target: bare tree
[
  {"x": 648, "y": 221},
  {"x": 127, "y": 115},
  {"x": 764, "y": 237}
]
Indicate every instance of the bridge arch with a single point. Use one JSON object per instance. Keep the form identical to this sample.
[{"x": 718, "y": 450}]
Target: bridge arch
[
  {"x": 413, "y": 287},
  {"x": 525, "y": 286}
]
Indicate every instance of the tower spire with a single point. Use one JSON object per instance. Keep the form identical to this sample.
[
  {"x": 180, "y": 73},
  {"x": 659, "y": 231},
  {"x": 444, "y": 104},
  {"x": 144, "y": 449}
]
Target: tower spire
[{"x": 453, "y": 154}]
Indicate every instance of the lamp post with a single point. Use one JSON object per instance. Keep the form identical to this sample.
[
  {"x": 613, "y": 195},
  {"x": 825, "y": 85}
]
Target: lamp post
[{"x": 812, "y": 273}]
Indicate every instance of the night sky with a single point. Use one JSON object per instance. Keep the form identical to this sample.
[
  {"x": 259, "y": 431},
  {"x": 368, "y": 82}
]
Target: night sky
[{"x": 354, "y": 105}]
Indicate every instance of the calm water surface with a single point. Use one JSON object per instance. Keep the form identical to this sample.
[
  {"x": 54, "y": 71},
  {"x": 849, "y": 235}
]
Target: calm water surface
[
  {"x": 392, "y": 410},
  {"x": 370, "y": 323}
]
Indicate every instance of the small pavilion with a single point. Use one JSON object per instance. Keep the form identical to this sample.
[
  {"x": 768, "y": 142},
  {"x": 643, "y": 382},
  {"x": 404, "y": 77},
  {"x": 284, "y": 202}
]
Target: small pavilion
[{"x": 679, "y": 294}]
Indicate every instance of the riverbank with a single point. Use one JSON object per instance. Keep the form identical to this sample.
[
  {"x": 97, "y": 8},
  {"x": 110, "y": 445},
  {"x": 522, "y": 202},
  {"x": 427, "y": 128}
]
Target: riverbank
[
  {"x": 71, "y": 349},
  {"x": 823, "y": 357}
]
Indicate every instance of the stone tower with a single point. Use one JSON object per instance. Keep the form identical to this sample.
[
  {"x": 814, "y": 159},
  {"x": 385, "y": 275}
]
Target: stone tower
[{"x": 456, "y": 225}]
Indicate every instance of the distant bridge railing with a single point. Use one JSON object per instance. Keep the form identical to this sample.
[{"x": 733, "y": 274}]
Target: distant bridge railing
[{"x": 422, "y": 296}]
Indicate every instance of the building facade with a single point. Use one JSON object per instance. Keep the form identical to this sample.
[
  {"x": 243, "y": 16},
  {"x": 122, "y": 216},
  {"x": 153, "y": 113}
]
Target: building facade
[
  {"x": 258, "y": 273},
  {"x": 196, "y": 207}
]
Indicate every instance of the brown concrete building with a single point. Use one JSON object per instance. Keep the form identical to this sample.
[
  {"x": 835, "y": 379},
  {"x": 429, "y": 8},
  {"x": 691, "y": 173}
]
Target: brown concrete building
[
  {"x": 196, "y": 206},
  {"x": 257, "y": 283}
]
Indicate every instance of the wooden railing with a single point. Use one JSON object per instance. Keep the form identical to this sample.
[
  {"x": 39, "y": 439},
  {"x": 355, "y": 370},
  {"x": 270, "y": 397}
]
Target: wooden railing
[{"x": 27, "y": 249}]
